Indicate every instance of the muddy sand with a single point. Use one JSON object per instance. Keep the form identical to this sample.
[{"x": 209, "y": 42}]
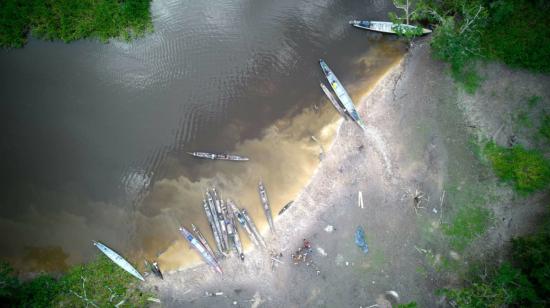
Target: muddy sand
[{"x": 420, "y": 128}]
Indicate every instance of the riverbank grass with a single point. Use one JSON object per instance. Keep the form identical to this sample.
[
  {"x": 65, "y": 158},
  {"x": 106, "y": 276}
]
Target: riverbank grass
[
  {"x": 526, "y": 170},
  {"x": 466, "y": 224},
  {"x": 68, "y": 20},
  {"x": 99, "y": 283}
]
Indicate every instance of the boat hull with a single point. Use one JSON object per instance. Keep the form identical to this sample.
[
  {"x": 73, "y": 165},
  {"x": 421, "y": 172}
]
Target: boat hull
[
  {"x": 342, "y": 94},
  {"x": 252, "y": 226},
  {"x": 334, "y": 102},
  {"x": 266, "y": 206},
  {"x": 214, "y": 156},
  {"x": 118, "y": 260},
  {"x": 382, "y": 26},
  {"x": 210, "y": 260},
  {"x": 242, "y": 221}
]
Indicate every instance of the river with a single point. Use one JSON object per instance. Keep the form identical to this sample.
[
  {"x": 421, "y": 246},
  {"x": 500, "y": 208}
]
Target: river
[{"x": 95, "y": 135}]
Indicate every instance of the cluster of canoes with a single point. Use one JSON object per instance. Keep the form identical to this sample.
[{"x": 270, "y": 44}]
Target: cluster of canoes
[{"x": 224, "y": 216}]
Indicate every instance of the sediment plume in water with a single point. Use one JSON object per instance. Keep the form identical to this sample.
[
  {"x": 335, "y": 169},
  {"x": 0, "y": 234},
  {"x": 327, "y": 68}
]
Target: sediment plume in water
[{"x": 284, "y": 156}]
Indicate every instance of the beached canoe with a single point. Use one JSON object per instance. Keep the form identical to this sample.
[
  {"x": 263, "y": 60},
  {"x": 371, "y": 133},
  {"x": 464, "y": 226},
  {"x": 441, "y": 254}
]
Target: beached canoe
[
  {"x": 253, "y": 227},
  {"x": 210, "y": 259},
  {"x": 222, "y": 156},
  {"x": 242, "y": 221},
  {"x": 383, "y": 26},
  {"x": 232, "y": 231},
  {"x": 120, "y": 261},
  {"x": 221, "y": 218},
  {"x": 202, "y": 239},
  {"x": 213, "y": 225},
  {"x": 342, "y": 94},
  {"x": 266, "y": 206},
  {"x": 285, "y": 207},
  {"x": 334, "y": 102}
]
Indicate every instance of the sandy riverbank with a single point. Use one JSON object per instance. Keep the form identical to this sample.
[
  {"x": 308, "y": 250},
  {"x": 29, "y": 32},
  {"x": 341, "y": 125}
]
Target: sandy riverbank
[{"x": 417, "y": 139}]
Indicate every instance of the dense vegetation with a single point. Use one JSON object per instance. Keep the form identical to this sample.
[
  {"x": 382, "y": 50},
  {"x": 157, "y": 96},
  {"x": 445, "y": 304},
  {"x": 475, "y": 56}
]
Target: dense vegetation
[
  {"x": 70, "y": 20},
  {"x": 527, "y": 170},
  {"x": 512, "y": 31},
  {"x": 522, "y": 283},
  {"x": 99, "y": 283}
]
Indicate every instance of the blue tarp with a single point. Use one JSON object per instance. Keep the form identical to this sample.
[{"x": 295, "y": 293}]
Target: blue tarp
[{"x": 360, "y": 240}]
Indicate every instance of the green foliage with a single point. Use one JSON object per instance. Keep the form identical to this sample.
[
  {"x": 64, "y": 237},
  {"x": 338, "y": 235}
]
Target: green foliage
[
  {"x": 531, "y": 255},
  {"x": 457, "y": 41},
  {"x": 404, "y": 30},
  {"x": 518, "y": 34},
  {"x": 408, "y": 305},
  {"x": 9, "y": 284},
  {"x": 527, "y": 170},
  {"x": 14, "y": 22},
  {"x": 39, "y": 292},
  {"x": 70, "y": 20},
  {"x": 467, "y": 223},
  {"x": 533, "y": 101},
  {"x": 524, "y": 283},
  {"x": 544, "y": 130},
  {"x": 523, "y": 119},
  {"x": 512, "y": 31},
  {"x": 507, "y": 286},
  {"x": 100, "y": 282}
]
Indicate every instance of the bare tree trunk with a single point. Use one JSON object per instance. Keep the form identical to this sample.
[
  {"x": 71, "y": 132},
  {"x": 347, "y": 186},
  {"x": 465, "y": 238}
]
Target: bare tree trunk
[{"x": 407, "y": 12}]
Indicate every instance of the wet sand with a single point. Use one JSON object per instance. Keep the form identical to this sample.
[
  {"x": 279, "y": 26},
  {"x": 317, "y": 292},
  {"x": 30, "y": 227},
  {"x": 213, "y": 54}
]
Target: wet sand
[{"x": 417, "y": 139}]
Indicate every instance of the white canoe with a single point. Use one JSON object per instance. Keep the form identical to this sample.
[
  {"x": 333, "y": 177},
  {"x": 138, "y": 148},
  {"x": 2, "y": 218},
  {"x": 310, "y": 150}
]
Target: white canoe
[
  {"x": 383, "y": 26},
  {"x": 334, "y": 102},
  {"x": 120, "y": 261},
  {"x": 342, "y": 94}
]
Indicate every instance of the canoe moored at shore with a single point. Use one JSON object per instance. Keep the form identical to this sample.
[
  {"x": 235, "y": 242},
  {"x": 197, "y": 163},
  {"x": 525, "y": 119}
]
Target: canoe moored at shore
[
  {"x": 154, "y": 268},
  {"x": 210, "y": 260},
  {"x": 120, "y": 261},
  {"x": 383, "y": 26},
  {"x": 221, "y": 218},
  {"x": 285, "y": 207},
  {"x": 232, "y": 231},
  {"x": 334, "y": 102},
  {"x": 222, "y": 156},
  {"x": 202, "y": 239},
  {"x": 242, "y": 221},
  {"x": 213, "y": 225},
  {"x": 252, "y": 226},
  {"x": 265, "y": 205},
  {"x": 342, "y": 94}
]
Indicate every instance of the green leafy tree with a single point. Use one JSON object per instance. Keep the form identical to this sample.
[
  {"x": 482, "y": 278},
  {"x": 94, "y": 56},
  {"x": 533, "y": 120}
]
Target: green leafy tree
[{"x": 404, "y": 29}]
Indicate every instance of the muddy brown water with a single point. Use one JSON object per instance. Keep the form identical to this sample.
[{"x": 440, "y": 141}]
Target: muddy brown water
[{"x": 94, "y": 135}]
